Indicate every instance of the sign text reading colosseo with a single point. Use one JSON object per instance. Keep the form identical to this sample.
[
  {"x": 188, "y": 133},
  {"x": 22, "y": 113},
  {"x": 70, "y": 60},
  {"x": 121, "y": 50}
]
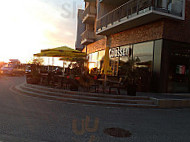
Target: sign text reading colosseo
[{"x": 120, "y": 52}]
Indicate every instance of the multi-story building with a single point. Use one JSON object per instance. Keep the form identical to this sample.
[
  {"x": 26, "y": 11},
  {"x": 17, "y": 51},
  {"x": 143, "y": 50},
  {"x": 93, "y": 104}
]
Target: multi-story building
[
  {"x": 153, "y": 33},
  {"x": 89, "y": 36},
  {"x": 80, "y": 30}
]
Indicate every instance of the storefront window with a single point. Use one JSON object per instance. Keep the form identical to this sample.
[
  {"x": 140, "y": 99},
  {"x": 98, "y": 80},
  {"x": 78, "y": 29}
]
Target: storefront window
[
  {"x": 101, "y": 55},
  {"x": 143, "y": 55},
  {"x": 95, "y": 57},
  {"x": 143, "y": 62},
  {"x": 114, "y": 54},
  {"x": 123, "y": 60},
  {"x": 114, "y": 63},
  {"x": 93, "y": 61},
  {"x": 179, "y": 66},
  {"x": 89, "y": 57}
]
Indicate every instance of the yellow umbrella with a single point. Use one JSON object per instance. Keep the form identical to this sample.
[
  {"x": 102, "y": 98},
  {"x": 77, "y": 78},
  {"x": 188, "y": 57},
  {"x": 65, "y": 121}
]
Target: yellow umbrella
[
  {"x": 73, "y": 59},
  {"x": 60, "y": 54},
  {"x": 106, "y": 66},
  {"x": 62, "y": 49}
]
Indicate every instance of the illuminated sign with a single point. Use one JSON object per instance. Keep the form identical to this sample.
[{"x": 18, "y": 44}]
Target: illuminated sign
[{"x": 120, "y": 52}]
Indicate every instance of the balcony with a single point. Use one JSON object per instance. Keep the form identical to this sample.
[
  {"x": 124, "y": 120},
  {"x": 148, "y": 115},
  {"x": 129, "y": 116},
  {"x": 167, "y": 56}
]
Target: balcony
[
  {"x": 138, "y": 12},
  {"x": 88, "y": 37},
  {"x": 89, "y": 14}
]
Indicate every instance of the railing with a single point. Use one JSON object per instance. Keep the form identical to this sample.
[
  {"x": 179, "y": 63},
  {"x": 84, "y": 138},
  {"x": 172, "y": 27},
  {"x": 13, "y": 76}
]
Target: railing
[
  {"x": 89, "y": 35},
  {"x": 135, "y": 7}
]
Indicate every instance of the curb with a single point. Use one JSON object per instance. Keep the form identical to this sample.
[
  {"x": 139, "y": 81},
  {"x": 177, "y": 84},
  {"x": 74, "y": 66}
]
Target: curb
[
  {"x": 100, "y": 95},
  {"x": 100, "y": 99},
  {"x": 109, "y": 103}
]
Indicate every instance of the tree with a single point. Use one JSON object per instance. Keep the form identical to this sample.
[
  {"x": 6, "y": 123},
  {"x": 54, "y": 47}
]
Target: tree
[{"x": 37, "y": 61}]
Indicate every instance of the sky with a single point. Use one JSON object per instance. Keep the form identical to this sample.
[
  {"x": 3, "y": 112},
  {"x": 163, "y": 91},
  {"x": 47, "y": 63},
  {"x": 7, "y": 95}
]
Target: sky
[{"x": 27, "y": 26}]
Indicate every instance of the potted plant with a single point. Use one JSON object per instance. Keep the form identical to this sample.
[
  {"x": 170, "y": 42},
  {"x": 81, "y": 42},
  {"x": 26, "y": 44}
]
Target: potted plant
[
  {"x": 131, "y": 83},
  {"x": 34, "y": 76},
  {"x": 131, "y": 75}
]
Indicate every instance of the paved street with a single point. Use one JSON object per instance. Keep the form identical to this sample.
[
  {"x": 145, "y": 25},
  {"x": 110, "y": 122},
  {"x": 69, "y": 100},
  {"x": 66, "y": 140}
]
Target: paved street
[{"x": 24, "y": 118}]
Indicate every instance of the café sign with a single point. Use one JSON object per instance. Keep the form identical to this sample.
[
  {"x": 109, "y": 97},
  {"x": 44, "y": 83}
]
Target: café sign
[{"x": 120, "y": 52}]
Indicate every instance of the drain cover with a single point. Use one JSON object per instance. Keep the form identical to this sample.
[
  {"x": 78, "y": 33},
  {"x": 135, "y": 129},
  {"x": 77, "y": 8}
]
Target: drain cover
[{"x": 117, "y": 132}]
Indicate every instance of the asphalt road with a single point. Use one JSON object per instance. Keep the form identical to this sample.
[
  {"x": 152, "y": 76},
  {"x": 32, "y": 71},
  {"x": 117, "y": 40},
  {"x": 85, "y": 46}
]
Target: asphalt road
[{"x": 24, "y": 118}]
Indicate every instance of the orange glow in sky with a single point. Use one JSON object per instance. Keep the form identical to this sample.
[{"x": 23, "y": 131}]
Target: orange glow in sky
[{"x": 27, "y": 26}]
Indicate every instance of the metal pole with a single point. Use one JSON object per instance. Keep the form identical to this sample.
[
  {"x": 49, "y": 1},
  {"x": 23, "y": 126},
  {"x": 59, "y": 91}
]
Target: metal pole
[
  {"x": 48, "y": 63},
  {"x": 63, "y": 68}
]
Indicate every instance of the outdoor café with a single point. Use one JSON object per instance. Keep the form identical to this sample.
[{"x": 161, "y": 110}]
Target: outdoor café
[{"x": 77, "y": 76}]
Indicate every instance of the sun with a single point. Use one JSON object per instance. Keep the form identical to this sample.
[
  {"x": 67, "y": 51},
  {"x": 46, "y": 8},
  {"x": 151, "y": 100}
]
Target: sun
[
  {"x": 27, "y": 26},
  {"x": 24, "y": 28}
]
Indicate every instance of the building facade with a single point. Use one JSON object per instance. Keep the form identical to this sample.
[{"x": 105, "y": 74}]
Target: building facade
[{"x": 152, "y": 33}]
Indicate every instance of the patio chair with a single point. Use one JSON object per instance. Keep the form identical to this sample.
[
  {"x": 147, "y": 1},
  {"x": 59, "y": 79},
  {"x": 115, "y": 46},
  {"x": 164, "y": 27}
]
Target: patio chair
[
  {"x": 121, "y": 84},
  {"x": 95, "y": 85}
]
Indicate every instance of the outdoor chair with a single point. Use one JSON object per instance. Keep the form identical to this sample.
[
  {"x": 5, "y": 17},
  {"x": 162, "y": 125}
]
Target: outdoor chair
[
  {"x": 65, "y": 83},
  {"x": 95, "y": 85},
  {"x": 121, "y": 84}
]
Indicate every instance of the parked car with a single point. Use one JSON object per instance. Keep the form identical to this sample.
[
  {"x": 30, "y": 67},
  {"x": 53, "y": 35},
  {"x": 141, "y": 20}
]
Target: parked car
[
  {"x": 10, "y": 69},
  {"x": 7, "y": 69},
  {"x": 28, "y": 70}
]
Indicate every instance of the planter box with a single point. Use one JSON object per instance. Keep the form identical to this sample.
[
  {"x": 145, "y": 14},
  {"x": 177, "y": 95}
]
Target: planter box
[{"x": 131, "y": 90}]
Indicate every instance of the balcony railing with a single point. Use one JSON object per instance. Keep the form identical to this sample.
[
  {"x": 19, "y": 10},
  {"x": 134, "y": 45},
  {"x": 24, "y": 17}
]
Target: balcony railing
[
  {"x": 89, "y": 12},
  {"x": 87, "y": 37},
  {"x": 136, "y": 7}
]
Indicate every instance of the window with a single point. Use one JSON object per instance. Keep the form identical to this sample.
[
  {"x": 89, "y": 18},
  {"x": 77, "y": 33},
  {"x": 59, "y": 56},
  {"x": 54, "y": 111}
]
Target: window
[
  {"x": 143, "y": 54},
  {"x": 101, "y": 55}
]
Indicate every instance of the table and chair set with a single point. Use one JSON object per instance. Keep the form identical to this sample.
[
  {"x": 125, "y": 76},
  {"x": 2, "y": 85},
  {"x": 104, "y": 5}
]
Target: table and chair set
[{"x": 94, "y": 84}]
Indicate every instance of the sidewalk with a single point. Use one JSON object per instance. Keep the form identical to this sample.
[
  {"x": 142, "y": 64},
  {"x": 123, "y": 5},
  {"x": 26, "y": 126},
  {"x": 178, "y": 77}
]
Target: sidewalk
[
  {"x": 166, "y": 100},
  {"x": 158, "y": 95},
  {"x": 169, "y": 100},
  {"x": 165, "y": 95}
]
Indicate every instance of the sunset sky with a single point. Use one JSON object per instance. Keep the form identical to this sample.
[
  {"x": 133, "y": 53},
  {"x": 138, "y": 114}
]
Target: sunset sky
[{"x": 27, "y": 26}]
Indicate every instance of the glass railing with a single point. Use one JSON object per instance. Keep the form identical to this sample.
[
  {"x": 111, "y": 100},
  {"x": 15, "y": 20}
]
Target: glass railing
[{"x": 133, "y": 8}]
